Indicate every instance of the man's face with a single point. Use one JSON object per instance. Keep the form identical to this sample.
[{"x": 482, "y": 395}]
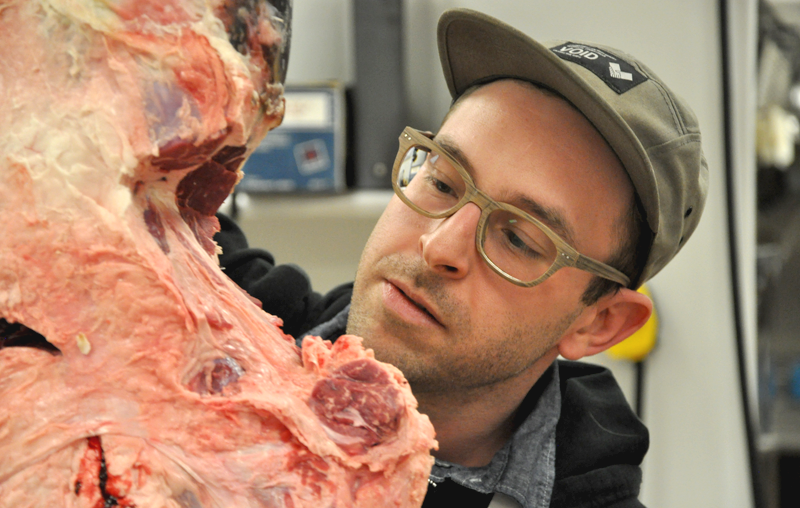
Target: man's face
[{"x": 424, "y": 299}]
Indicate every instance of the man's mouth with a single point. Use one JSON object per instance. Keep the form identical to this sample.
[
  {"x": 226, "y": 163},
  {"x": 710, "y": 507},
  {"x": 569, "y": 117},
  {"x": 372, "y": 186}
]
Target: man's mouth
[
  {"x": 421, "y": 307},
  {"x": 410, "y": 306}
]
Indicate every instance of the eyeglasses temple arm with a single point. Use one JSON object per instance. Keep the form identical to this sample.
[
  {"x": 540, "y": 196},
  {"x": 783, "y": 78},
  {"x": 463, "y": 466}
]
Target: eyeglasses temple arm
[{"x": 602, "y": 270}]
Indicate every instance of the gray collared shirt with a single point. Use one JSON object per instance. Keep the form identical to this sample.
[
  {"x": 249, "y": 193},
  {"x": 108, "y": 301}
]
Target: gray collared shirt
[{"x": 524, "y": 468}]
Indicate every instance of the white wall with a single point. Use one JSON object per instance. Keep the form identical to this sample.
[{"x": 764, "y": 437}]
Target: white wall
[{"x": 693, "y": 407}]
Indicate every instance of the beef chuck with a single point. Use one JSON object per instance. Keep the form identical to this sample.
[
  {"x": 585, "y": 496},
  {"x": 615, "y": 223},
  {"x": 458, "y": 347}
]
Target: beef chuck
[{"x": 133, "y": 372}]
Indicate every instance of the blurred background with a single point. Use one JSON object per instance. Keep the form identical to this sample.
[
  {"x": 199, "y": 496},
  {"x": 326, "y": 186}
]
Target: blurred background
[{"x": 720, "y": 392}]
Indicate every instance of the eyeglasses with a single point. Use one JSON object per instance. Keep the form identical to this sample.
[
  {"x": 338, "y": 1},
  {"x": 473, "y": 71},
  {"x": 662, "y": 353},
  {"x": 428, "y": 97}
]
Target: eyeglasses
[{"x": 516, "y": 245}]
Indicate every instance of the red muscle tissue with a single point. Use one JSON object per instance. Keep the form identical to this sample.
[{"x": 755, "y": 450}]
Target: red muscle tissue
[{"x": 133, "y": 372}]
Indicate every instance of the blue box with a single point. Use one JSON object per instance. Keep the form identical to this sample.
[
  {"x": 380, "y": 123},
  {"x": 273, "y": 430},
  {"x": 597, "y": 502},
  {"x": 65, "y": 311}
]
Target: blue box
[{"x": 306, "y": 153}]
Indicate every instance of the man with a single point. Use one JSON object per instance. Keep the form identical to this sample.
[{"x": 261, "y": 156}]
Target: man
[{"x": 563, "y": 177}]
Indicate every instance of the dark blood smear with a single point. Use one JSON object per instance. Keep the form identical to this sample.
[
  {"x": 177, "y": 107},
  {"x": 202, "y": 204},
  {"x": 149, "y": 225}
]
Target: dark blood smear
[
  {"x": 201, "y": 191},
  {"x": 228, "y": 154},
  {"x": 93, "y": 479},
  {"x": 205, "y": 188},
  {"x": 156, "y": 228},
  {"x": 215, "y": 377},
  {"x": 364, "y": 387},
  {"x": 17, "y": 335},
  {"x": 313, "y": 471},
  {"x": 180, "y": 154},
  {"x": 203, "y": 227}
]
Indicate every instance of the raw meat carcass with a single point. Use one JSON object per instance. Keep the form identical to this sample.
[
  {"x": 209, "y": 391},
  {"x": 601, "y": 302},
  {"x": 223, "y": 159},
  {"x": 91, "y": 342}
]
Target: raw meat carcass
[{"x": 133, "y": 373}]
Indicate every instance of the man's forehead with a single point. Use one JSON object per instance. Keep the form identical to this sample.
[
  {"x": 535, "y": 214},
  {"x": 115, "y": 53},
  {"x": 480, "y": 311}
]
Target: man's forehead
[{"x": 540, "y": 132}]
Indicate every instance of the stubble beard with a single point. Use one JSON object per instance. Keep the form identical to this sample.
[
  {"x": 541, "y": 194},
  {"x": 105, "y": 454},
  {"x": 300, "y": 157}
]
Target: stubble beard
[{"x": 475, "y": 356}]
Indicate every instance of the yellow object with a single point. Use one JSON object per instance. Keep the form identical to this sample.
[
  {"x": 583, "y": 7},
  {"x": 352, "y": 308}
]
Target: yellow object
[
  {"x": 84, "y": 346},
  {"x": 636, "y": 347}
]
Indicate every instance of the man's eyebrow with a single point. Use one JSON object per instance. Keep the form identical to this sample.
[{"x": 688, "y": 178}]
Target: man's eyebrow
[
  {"x": 456, "y": 153},
  {"x": 550, "y": 216}
]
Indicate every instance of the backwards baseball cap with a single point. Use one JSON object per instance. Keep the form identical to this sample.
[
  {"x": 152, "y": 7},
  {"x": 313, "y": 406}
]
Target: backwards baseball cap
[{"x": 652, "y": 130}]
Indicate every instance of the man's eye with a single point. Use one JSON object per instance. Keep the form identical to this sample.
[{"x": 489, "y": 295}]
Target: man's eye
[
  {"x": 443, "y": 187},
  {"x": 519, "y": 244},
  {"x": 439, "y": 186}
]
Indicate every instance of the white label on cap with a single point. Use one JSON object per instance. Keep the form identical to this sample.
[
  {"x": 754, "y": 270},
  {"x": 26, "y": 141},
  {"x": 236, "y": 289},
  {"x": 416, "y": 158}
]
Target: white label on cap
[{"x": 617, "y": 73}]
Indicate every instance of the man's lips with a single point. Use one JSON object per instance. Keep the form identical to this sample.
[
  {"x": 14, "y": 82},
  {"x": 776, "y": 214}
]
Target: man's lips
[{"x": 410, "y": 305}]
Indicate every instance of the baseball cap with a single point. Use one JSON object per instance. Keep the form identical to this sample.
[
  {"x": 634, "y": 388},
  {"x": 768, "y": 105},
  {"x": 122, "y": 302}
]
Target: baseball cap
[{"x": 653, "y": 131}]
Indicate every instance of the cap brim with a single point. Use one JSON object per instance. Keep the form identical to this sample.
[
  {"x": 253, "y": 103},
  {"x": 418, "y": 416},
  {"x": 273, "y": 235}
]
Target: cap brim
[{"x": 476, "y": 48}]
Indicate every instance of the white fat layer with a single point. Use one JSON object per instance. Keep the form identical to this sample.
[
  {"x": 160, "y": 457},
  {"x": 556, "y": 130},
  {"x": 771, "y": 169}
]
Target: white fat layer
[
  {"x": 73, "y": 151},
  {"x": 93, "y": 13}
]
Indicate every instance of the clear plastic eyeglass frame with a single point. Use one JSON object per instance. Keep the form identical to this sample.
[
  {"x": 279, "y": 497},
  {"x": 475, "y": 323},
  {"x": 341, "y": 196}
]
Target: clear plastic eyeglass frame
[{"x": 566, "y": 256}]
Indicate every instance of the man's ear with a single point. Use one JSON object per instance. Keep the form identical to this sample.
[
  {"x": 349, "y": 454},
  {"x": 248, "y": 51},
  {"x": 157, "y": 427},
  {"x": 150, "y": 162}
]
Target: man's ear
[{"x": 609, "y": 321}]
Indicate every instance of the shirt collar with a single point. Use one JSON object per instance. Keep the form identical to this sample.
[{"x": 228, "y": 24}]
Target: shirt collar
[{"x": 525, "y": 467}]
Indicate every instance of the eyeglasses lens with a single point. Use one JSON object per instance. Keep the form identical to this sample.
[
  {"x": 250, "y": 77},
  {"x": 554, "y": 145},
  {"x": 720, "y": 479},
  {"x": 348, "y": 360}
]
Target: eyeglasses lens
[{"x": 514, "y": 244}]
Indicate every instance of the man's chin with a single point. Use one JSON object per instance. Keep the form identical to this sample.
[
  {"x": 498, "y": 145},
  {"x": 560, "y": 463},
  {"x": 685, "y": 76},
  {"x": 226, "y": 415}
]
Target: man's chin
[{"x": 391, "y": 339}]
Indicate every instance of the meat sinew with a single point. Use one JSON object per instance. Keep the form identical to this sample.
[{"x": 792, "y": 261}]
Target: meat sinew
[{"x": 133, "y": 373}]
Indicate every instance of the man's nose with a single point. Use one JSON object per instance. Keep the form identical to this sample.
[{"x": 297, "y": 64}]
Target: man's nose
[{"x": 449, "y": 249}]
